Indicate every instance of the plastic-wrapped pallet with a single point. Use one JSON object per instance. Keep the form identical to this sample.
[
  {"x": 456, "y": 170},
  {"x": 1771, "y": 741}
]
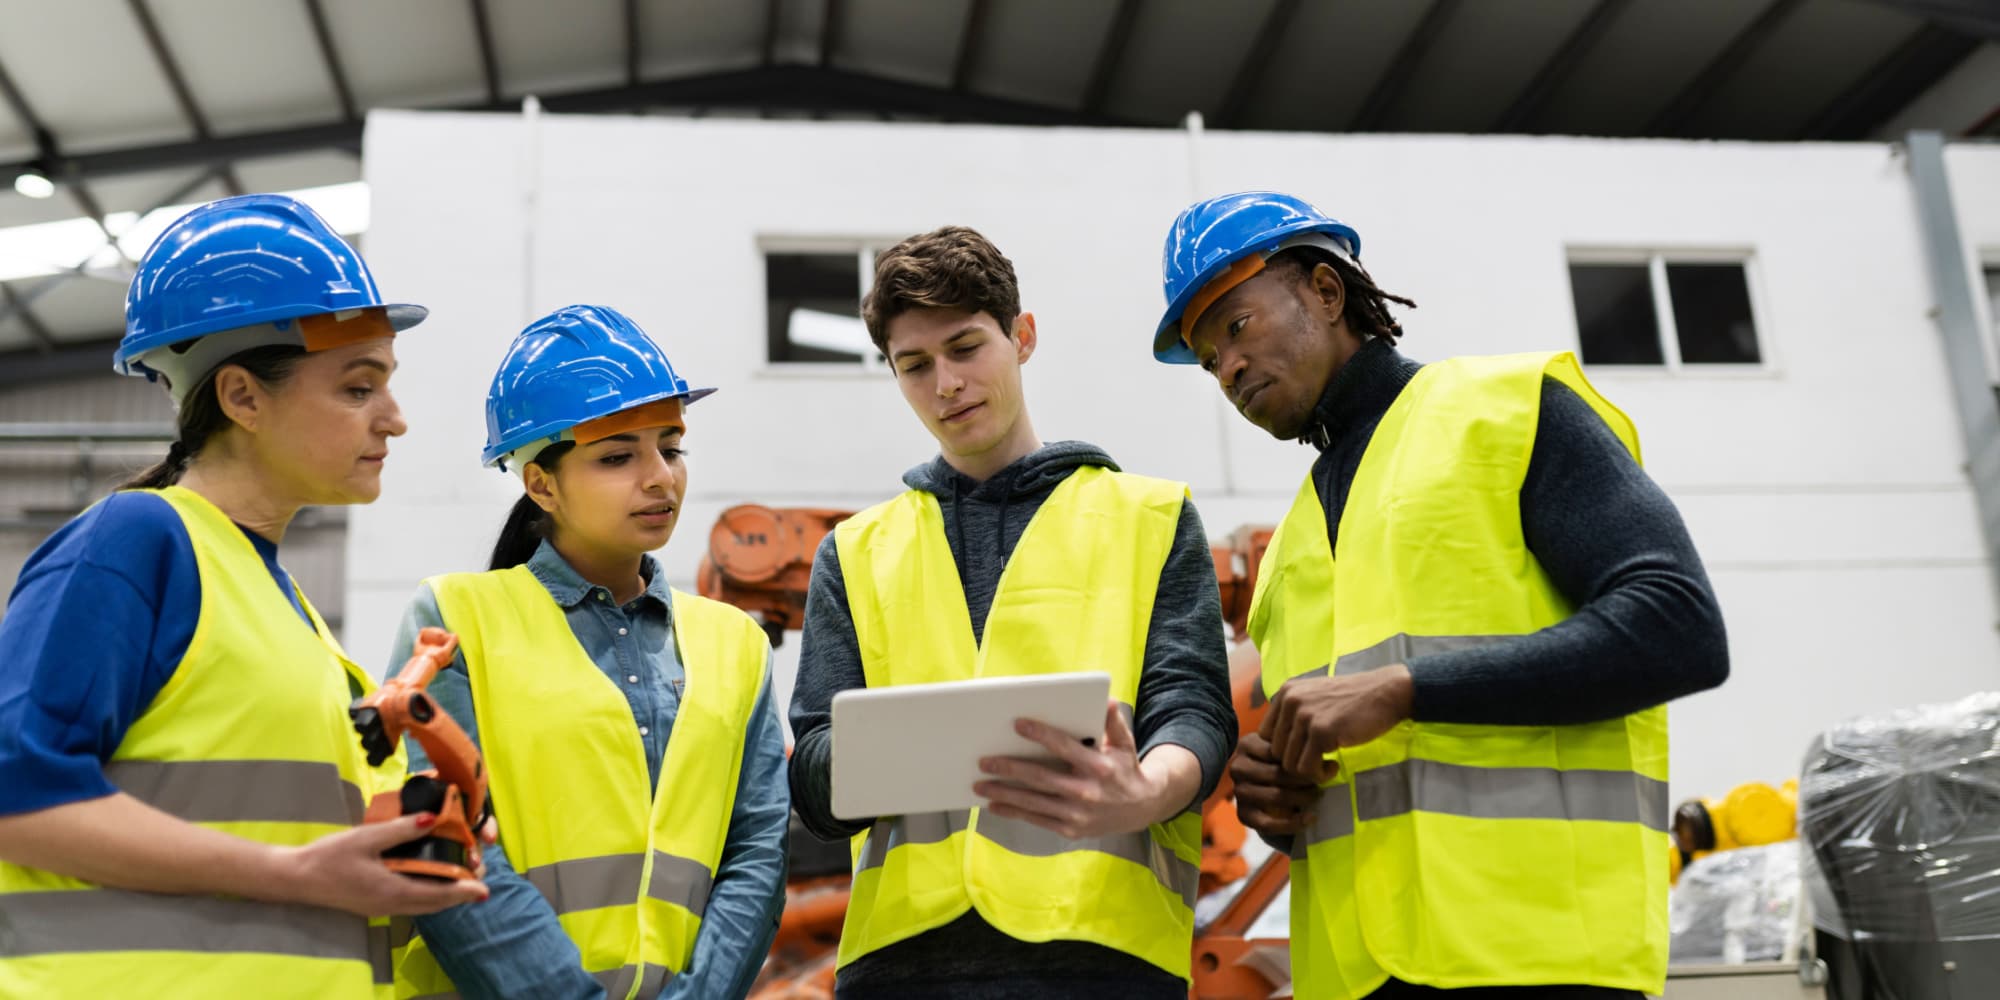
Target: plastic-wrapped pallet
[
  {"x": 1899, "y": 815},
  {"x": 1736, "y": 906}
]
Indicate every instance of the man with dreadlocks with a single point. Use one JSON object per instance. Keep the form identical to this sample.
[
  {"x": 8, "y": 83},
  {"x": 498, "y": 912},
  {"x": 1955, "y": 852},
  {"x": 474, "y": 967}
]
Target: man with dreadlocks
[{"x": 1470, "y": 622}]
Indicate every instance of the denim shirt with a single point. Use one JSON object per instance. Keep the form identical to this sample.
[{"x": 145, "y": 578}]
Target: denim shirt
[{"x": 511, "y": 945}]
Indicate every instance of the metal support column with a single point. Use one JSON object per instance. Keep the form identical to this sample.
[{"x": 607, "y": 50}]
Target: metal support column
[{"x": 1958, "y": 322}]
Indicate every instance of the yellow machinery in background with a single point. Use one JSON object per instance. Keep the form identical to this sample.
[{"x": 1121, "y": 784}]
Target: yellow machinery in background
[{"x": 1752, "y": 814}]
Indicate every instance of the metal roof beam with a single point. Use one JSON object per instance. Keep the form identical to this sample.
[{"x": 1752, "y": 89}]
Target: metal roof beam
[
  {"x": 772, "y": 10},
  {"x": 1927, "y": 56},
  {"x": 489, "y": 64},
  {"x": 316, "y": 13},
  {"x": 805, "y": 87},
  {"x": 215, "y": 151},
  {"x": 1110, "y": 53},
  {"x": 1250, "y": 72},
  {"x": 1673, "y": 119},
  {"x": 631, "y": 42},
  {"x": 1403, "y": 68},
  {"x": 1521, "y": 115},
  {"x": 1979, "y": 18},
  {"x": 969, "y": 38},
  {"x": 30, "y": 122},
  {"x": 177, "y": 81},
  {"x": 1987, "y": 125},
  {"x": 810, "y": 88},
  {"x": 43, "y": 341},
  {"x": 832, "y": 19},
  {"x": 79, "y": 192}
]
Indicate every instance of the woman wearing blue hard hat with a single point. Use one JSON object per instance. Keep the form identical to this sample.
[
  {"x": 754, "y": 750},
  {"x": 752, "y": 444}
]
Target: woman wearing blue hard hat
[
  {"x": 181, "y": 773},
  {"x": 635, "y": 761},
  {"x": 1465, "y": 750}
]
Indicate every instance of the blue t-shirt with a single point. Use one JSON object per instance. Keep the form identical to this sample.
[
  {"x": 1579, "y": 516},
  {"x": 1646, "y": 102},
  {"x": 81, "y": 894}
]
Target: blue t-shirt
[{"x": 99, "y": 619}]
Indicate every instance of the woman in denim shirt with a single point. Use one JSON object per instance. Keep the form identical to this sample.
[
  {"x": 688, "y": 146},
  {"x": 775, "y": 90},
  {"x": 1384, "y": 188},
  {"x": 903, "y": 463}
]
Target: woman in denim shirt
[{"x": 602, "y": 887}]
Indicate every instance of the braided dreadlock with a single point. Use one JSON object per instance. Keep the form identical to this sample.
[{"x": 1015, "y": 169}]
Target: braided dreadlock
[{"x": 1367, "y": 309}]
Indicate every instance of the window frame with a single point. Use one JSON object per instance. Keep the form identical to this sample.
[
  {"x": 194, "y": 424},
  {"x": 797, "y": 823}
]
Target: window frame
[
  {"x": 864, "y": 248},
  {"x": 1655, "y": 260},
  {"x": 1987, "y": 265}
]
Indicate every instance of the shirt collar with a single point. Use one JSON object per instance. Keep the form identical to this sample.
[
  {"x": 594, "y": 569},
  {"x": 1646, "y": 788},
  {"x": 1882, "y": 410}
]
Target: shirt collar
[
  {"x": 1362, "y": 389},
  {"x": 570, "y": 589}
]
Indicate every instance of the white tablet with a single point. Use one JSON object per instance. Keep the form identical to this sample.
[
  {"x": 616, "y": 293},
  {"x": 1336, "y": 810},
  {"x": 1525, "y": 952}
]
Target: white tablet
[{"x": 916, "y": 748}]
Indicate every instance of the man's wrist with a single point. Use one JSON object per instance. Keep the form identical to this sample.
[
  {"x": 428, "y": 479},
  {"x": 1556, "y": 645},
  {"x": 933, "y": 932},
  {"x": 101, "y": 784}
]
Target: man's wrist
[
  {"x": 1166, "y": 798},
  {"x": 1401, "y": 690}
]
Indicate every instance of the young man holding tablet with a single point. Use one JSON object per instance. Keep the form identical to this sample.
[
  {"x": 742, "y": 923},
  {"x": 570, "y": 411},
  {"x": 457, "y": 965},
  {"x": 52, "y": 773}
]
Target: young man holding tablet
[{"x": 1005, "y": 557}]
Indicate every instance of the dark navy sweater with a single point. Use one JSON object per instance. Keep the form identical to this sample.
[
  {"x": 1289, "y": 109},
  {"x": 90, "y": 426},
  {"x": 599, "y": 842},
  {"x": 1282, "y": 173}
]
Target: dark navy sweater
[{"x": 1647, "y": 628}]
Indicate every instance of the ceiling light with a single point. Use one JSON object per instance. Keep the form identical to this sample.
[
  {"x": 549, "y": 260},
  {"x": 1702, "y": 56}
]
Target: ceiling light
[{"x": 32, "y": 184}]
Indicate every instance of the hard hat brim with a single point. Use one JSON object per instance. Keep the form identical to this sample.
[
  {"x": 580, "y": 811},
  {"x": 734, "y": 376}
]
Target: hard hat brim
[
  {"x": 554, "y": 431},
  {"x": 127, "y": 359}
]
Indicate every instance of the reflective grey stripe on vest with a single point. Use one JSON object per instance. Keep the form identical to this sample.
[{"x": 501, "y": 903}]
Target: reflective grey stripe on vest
[
  {"x": 1021, "y": 837},
  {"x": 1511, "y": 793},
  {"x": 917, "y": 828},
  {"x": 223, "y": 791},
  {"x": 613, "y": 880},
  {"x": 1488, "y": 793},
  {"x": 589, "y": 883},
  {"x": 1333, "y": 818},
  {"x": 1402, "y": 648},
  {"x": 101, "y": 920},
  {"x": 680, "y": 881},
  {"x": 618, "y": 982},
  {"x": 1399, "y": 648},
  {"x": 381, "y": 954},
  {"x": 401, "y": 931}
]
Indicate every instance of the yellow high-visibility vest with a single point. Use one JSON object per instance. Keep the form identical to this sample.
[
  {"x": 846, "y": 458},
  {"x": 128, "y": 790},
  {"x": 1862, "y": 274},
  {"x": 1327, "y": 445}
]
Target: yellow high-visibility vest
[
  {"x": 250, "y": 736},
  {"x": 1456, "y": 855},
  {"x": 1077, "y": 594},
  {"x": 626, "y": 866}
]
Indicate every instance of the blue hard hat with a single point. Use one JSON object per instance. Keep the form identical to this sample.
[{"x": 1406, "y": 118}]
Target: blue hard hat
[
  {"x": 258, "y": 260},
  {"x": 1212, "y": 235},
  {"x": 576, "y": 364}
]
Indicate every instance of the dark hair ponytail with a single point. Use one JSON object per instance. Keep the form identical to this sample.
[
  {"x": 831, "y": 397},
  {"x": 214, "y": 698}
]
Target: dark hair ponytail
[
  {"x": 527, "y": 524},
  {"x": 201, "y": 416}
]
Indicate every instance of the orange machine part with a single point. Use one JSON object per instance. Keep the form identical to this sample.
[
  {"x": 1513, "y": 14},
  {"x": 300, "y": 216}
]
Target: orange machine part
[
  {"x": 401, "y": 706},
  {"x": 1229, "y": 966},
  {"x": 802, "y": 960},
  {"x": 1222, "y": 834},
  {"x": 1236, "y": 566},
  {"x": 760, "y": 559}
]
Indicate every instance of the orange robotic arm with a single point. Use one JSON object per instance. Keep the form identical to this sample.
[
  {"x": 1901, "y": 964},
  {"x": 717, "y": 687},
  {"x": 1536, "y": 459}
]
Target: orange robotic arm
[{"x": 454, "y": 789}]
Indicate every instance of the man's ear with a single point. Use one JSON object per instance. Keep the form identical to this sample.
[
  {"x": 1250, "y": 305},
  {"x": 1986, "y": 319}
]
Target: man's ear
[
  {"x": 541, "y": 486},
  {"x": 1329, "y": 289},
  {"x": 1024, "y": 337},
  {"x": 243, "y": 399}
]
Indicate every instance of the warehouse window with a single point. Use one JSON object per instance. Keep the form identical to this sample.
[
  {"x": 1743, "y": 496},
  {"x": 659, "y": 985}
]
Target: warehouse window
[
  {"x": 1663, "y": 310},
  {"x": 812, "y": 300},
  {"x": 1993, "y": 298}
]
